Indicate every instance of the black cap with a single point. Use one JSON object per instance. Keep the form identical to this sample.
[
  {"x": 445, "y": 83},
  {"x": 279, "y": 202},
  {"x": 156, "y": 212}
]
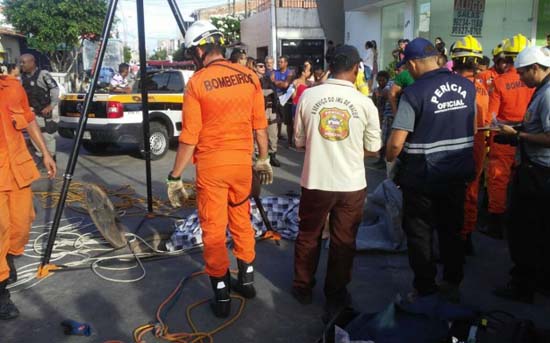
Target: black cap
[{"x": 348, "y": 52}]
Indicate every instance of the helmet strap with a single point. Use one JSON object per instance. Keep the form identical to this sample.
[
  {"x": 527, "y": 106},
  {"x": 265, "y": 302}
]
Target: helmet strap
[{"x": 198, "y": 60}]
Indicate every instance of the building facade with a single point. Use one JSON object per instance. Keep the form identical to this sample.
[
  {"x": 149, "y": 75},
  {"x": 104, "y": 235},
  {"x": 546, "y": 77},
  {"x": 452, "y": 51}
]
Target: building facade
[
  {"x": 298, "y": 31},
  {"x": 10, "y": 41},
  {"x": 386, "y": 21},
  {"x": 170, "y": 45}
]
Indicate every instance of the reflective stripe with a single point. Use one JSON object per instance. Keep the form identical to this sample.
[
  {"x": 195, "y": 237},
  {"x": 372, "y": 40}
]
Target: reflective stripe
[
  {"x": 439, "y": 149},
  {"x": 451, "y": 109},
  {"x": 439, "y": 143}
]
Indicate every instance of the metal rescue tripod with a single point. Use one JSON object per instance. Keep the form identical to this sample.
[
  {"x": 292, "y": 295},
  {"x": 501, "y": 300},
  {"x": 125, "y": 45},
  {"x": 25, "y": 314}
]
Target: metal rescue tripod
[{"x": 45, "y": 266}]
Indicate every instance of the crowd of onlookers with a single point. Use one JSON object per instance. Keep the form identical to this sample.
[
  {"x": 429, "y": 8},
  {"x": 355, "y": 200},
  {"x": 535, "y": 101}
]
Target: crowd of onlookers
[
  {"x": 382, "y": 86},
  {"x": 497, "y": 90}
]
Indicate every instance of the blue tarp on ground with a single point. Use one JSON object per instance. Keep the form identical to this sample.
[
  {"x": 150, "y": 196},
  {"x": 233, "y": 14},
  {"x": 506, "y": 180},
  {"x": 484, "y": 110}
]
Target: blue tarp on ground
[{"x": 380, "y": 230}]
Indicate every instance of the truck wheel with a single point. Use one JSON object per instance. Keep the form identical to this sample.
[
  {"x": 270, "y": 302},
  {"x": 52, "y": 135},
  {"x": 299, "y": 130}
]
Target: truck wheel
[
  {"x": 158, "y": 138},
  {"x": 94, "y": 147}
]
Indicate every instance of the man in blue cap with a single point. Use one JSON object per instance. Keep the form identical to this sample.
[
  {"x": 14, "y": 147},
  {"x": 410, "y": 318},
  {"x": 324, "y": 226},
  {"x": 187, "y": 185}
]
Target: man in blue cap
[{"x": 433, "y": 135}]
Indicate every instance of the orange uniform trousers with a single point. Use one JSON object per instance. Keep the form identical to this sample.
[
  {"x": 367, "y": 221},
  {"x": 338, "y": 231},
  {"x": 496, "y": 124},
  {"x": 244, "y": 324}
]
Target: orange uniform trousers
[
  {"x": 16, "y": 216},
  {"x": 499, "y": 170},
  {"x": 472, "y": 191},
  {"x": 216, "y": 188}
]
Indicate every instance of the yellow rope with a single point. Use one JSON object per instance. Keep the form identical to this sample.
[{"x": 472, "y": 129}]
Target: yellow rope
[
  {"x": 225, "y": 324},
  {"x": 124, "y": 199},
  {"x": 160, "y": 329}
]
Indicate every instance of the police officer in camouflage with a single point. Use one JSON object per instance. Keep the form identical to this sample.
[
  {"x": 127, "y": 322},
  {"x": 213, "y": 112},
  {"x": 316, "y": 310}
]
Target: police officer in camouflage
[{"x": 43, "y": 94}]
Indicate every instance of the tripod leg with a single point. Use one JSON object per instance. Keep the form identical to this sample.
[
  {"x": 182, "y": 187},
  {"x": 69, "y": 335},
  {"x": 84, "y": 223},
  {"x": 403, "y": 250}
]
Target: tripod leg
[
  {"x": 267, "y": 224},
  {"x": 67, "y": 177},
  {"x": 270, "y": 233}
]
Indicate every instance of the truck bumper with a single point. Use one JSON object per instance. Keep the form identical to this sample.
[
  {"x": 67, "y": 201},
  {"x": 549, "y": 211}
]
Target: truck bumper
[{"x": 106, "y": 133}]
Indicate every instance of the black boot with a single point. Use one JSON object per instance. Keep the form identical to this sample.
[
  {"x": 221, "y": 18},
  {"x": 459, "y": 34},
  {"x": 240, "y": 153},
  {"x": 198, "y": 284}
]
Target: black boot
[
  {"x": 8, "y": 310},
  {"x": 273, "y": 160},
  {"x": 495, "y": 226},
  {"x": 13, "y": 271},
  {"x": 245, "y": 283},
  {"x": 221, "y": 303}
]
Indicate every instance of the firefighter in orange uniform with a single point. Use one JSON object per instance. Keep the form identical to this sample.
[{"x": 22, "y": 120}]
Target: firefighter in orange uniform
[
  {"x": 466, "y": 54},
  {"x": 224, "y": 110},
  {"x": 508, "y": 102},
  {"x": 499, "y": 67},
  {"x": 17, "y": 172}
]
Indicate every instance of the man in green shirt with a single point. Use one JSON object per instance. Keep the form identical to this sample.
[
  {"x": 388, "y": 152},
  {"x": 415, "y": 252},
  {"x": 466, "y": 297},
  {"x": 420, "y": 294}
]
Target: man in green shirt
[{"x": 401, "y": 81}]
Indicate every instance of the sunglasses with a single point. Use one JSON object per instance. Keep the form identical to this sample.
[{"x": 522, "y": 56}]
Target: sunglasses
[{"x": 260, "y": 66}]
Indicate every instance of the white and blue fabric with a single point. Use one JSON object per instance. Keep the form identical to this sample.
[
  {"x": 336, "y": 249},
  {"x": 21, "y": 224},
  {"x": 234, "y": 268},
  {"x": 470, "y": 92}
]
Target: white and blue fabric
[{"x": 282, "y": 213}]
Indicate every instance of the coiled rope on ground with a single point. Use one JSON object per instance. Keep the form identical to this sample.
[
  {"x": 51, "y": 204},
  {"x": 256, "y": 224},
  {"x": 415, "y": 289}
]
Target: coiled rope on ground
[{"x": 124, "y": 199}]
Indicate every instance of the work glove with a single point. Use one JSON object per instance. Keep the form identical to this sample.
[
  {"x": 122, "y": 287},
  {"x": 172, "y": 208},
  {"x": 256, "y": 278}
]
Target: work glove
[
  {"x": 263, "y": 168},
  {"x": 176, "y": 192}
]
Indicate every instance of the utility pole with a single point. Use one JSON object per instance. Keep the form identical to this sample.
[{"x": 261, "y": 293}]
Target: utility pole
[
  {"x": 233, "y": 7},
  {"x": 246, "y": 8},
  {"x": 274, "y": 31}
]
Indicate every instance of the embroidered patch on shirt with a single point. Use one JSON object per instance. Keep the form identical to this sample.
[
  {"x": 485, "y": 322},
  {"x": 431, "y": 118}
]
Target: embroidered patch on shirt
[{"x": 334, "y": 124}]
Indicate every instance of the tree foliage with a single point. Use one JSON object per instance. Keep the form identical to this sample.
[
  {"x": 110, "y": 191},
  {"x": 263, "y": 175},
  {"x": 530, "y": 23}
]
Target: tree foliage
[
  {"x": 230, "y": 26},
  {"x": 127, "y": 52},
  {"x": 179, "y": 55},
  {"x": 56, "y": 27},
  {"x": 159, "y": 55}
]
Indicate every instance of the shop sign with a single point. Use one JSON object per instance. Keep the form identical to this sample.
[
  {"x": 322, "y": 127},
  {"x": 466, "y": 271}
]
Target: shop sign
[{"x": 468, "y": 17}]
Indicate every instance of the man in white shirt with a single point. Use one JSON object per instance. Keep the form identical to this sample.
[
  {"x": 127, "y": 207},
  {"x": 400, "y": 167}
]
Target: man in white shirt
[
  {"x": 338, "y": 126},
  {"x": 119, "y": 82}
]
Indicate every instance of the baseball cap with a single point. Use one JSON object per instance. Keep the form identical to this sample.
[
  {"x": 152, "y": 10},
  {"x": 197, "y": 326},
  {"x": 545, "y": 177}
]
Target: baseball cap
[
  {"x": 532, "y": 55},
  {"x": 347, "y": 52},
  {"x": 416, "y": 49}
]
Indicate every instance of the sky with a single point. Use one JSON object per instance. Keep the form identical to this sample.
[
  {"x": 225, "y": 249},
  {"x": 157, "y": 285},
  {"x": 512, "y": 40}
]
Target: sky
[{"x": 159, "y": 20}]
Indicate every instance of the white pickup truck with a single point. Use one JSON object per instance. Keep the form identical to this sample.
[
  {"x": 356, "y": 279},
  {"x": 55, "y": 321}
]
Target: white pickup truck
[{"x": 117, "y": 118}]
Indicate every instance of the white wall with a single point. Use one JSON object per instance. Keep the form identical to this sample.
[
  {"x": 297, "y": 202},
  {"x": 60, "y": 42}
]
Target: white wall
[
  {"x": 11, "y": 48},
  {"x": 408, "y": 31},
  {"x": 294, "y": 33},
  {"x": 502, "y": 18},
  {"x": 361, "y": 27},
  {"x": 297, "y": 17},
  {"x": 292, "y": 23},
  {"x": 256, "y": 32}
]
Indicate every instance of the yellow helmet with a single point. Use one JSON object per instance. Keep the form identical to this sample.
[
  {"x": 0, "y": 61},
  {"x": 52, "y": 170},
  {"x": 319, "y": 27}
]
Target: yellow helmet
[
  {"x": 498, "y": 49},
  {"x": 513, "y": 47},
  {"x": 468, "y": 46}
]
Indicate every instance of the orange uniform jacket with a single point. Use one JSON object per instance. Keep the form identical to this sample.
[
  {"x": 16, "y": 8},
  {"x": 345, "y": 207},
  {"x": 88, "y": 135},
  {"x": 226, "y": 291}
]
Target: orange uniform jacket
[
  {"x": 482, "y": 120},
  {"x": 17, "y": 168},
  {"x": 223, "y": 104},
  {"x": 508, "y": 102},
  {"x": 509, "y": 97},
  {"x": 17, "y": 171},
  {"x": 488, "y": 78}
]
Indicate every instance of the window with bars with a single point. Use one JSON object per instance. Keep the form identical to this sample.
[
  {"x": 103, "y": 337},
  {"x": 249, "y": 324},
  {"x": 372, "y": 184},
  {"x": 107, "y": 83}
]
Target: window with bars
[{"x": 262, "y": 5}]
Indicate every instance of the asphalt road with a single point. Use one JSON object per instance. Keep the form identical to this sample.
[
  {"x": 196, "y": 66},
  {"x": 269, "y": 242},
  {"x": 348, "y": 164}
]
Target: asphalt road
[{"x": 114, "y": 309}]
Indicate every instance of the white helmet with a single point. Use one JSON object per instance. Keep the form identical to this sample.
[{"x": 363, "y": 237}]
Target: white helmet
[
  {"x": 532, "y": 55},
  {"x": 203, "y": 32}
]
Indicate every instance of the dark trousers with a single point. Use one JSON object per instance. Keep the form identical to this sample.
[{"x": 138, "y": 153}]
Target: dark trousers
[
  {"x": 346, "y": 211},
  {"x": 422, "y": 214},
  {"x": 288, "y": 119},
  {"x": 529, "y": 227}
]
